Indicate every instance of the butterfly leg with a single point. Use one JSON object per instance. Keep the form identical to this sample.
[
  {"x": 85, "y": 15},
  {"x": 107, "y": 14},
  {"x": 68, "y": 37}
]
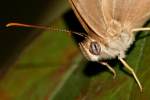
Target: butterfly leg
[
  {"x": 110, "y": 68},
  {"x": 133, "y": 73},
  {"x": 141, "y": 29}
]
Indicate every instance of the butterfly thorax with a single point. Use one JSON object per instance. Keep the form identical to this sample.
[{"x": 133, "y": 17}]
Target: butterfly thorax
[
  {"x": 118, "y": 40},
  {"x": 117, "y": 45}
]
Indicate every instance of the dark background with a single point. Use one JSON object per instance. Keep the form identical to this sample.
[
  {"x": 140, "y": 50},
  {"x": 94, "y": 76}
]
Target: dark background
[{"x": 14, "y": 40}]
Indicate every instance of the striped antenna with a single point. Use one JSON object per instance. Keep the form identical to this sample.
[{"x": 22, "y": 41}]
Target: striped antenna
[{"x": 14, "y": 24}]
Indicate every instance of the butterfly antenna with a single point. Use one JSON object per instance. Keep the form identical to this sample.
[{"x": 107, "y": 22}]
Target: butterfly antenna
[{"x": 12, "y": 24}]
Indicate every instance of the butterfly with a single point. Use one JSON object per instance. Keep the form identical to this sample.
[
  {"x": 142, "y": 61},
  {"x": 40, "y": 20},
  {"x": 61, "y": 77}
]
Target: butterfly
[{"x": 111, "y": 27}]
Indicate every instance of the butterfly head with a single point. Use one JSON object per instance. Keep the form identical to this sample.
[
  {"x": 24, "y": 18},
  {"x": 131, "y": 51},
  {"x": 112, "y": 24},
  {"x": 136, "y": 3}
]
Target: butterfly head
[{"x": 95, "y": 49}]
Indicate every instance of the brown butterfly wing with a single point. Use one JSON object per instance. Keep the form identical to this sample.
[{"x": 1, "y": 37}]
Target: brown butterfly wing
[
  {"x": 97, "y": 14},
  {"x": 138, "y": 13},
  {"x": 132, "y": 13},
  {"x": 90, "y": 16}
]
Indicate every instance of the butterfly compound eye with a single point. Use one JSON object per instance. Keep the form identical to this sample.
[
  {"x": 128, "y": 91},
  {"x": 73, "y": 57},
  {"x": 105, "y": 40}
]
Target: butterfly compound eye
[{"x": 95, "y": 48}]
